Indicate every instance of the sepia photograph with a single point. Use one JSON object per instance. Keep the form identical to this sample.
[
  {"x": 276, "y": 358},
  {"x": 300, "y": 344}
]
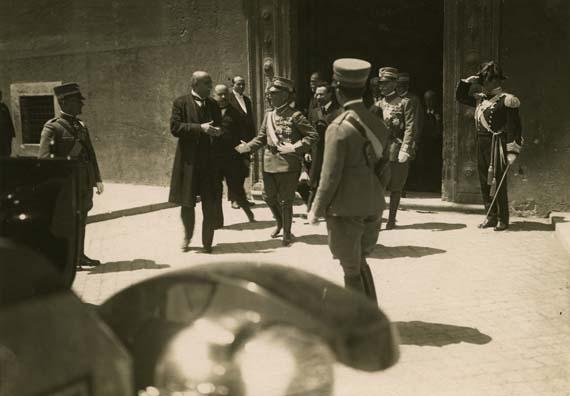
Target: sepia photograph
[{"x": 284, "y": 198}]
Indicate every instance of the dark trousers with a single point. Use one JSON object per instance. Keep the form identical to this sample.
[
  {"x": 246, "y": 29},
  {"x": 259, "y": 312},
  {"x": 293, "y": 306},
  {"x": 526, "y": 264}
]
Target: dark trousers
[
  {"x": 279, "y": 194},
  {"x": 87, "y": 204},
  {"x": 352, "y": 239},
  {"x": 235, "y": 173},
  {"x": 213, "y": 218},
  {"x": 500, "y": 208},
  {"x": 279, "y": 188}
]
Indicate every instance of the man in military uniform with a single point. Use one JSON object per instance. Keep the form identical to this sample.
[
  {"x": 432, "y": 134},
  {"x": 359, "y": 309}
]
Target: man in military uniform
[
  {"x": 195, "y": 122},
  {"x": 286, "y": 135},
  {"x": 399, "y": 117},
  {"x": 67, "y": 136},
  {"x": 499, "y": 138},
  {"x": 350, "y": 194},
  {"x": 403, "y": 89}
]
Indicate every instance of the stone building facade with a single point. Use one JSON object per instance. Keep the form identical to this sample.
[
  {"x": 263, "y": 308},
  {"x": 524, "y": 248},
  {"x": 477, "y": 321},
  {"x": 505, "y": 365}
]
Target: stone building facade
[{"x": 132, "y": 58}]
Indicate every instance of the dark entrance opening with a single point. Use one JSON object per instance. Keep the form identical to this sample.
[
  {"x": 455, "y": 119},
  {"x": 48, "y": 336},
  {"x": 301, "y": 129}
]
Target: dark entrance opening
[{"x": 407, "y": 35}]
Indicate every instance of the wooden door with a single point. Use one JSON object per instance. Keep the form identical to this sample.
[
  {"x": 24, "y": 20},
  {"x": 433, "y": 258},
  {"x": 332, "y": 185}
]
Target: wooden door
[
  {"x": 471, "y": 36},
  {"x": 271, "y": 37}
]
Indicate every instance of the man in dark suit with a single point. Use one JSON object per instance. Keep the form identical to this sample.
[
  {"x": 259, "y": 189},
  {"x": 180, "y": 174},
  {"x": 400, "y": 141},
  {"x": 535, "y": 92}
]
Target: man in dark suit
[
  {"x": 286, "y": 135},
  {"x": 234, "y": 166},
  {"x": 350, "y": 194},
  {"x": 196, "y": 121},
  {"x": 323, "y": 114},
  {"x": 6, "y": 130},
  {"x": 67, "y": 136},
  {"x": 239, "y": 101}
]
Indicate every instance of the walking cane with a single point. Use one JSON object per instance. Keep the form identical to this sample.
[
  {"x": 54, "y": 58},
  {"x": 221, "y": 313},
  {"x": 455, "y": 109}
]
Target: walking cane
[{"x": 498, "y": 189}]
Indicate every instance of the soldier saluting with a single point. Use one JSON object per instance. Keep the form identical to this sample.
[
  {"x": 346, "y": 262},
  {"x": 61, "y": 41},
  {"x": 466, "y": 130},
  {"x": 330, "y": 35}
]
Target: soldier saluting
[
  {"x": 66, "y": 136},
  {"x": 499, "y": 138}
]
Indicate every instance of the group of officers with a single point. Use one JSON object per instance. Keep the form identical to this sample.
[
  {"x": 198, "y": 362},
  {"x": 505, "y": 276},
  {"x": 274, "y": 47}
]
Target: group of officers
[{"x": 352, "y": 153}]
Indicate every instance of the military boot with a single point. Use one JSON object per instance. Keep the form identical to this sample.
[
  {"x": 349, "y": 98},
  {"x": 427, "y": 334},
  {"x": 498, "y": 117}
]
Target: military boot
[
  {"x": 276, "y": 210},
  {"x": 394, "y": 204},
  {"x": 354, "y": 282},
  {"x": 368, "y": 281},
  {"x": 287, "y": 222}
]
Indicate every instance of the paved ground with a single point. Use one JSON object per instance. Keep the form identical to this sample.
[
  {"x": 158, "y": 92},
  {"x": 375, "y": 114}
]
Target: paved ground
[{"x": 479, "y": 312}]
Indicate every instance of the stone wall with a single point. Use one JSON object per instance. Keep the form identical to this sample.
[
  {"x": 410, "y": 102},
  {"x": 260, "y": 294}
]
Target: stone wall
[
  {"x": 131, "y": 58},
  {"x": 535, "y": 50}
]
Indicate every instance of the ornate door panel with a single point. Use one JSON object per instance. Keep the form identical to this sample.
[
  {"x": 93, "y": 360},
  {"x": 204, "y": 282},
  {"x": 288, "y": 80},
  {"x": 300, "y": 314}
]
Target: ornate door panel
[
  {"x": 471, "y": 36},
  {"x": 271, "y": 36}
]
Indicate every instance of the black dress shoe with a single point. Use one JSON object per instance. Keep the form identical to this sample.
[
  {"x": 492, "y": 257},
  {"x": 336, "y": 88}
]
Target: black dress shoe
[
  {"x": 390, "y": 225},
  {"x": 207, "y": 249},
  {"x": 276, "y": 232},
  {"x": 501, "y": 226},
  {"x": 235, "y": 205},
  {"x": 185, "y": 245},
  {"x": 251, "y": 203},
  {"x": 85, "y": 261},
  {"x": 488, "y": 223},
  {"x": 288, "y": 239}
]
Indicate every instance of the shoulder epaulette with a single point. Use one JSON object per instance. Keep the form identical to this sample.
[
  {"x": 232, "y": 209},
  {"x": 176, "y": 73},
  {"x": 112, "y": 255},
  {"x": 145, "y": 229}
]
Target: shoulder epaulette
[{"x": 512, "y": 101}]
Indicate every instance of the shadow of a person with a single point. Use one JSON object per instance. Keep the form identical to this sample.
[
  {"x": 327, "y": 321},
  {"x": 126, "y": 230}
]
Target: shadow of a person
[
  {"x": 530, "y": 226},
  {"x": 128, "y": 265},
  {"x": 434, "y": 226},
  {"x": 387, "y": 252},
  {"x": 257, "y": 225},
  {"x": 438, "y": 334}
]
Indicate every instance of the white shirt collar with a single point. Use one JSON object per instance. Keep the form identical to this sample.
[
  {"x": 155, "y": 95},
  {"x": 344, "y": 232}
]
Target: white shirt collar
[
  {"x": 195, "y": 94},
  {"x": 237, "y": 93},
  {"x": 328, "y": 105}
]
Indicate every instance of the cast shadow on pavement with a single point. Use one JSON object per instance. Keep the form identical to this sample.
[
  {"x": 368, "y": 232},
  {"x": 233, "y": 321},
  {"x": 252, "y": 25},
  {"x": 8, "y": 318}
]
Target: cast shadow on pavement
[
  {"x": 388, "y": 252},
  {"x": 257, "y": 225},
  {"x": 530, "y": 226},
  {"x": 128, "y": 265},
  {"x": 434, "y": 226},
  {"x": 438, "y": 334},
  {"x": 247, "y": 247},
  {"x": 381, "y": 251}
]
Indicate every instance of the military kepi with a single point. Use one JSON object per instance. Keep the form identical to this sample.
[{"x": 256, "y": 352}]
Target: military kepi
[
  {"x": 67, "y": 89},
  {"x": 282, "y": 83},
  {"x": 404, "y": 76},
  {"x": 388, "y": 74},
  {"x": 351, "y": 72}
]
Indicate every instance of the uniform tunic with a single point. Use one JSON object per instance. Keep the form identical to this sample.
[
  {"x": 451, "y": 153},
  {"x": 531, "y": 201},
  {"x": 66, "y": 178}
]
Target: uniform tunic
[
  {"x": 399, "y": 116},
  {"x": 350, "y": 195},
  {"x": 499, "y": 132},
  {"x": 67, "y": 136},
  {"x": 281, "y": 171}
]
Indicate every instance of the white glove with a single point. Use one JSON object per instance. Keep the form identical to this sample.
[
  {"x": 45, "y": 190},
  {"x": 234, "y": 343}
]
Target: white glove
[
  {"x": 242, "y": 148},
  {"x": 403, "y": 157},
  {"x": 511, "y": 158},
  {"x": 472, "y": 79},
  {"x": 312, "y": 219}
]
